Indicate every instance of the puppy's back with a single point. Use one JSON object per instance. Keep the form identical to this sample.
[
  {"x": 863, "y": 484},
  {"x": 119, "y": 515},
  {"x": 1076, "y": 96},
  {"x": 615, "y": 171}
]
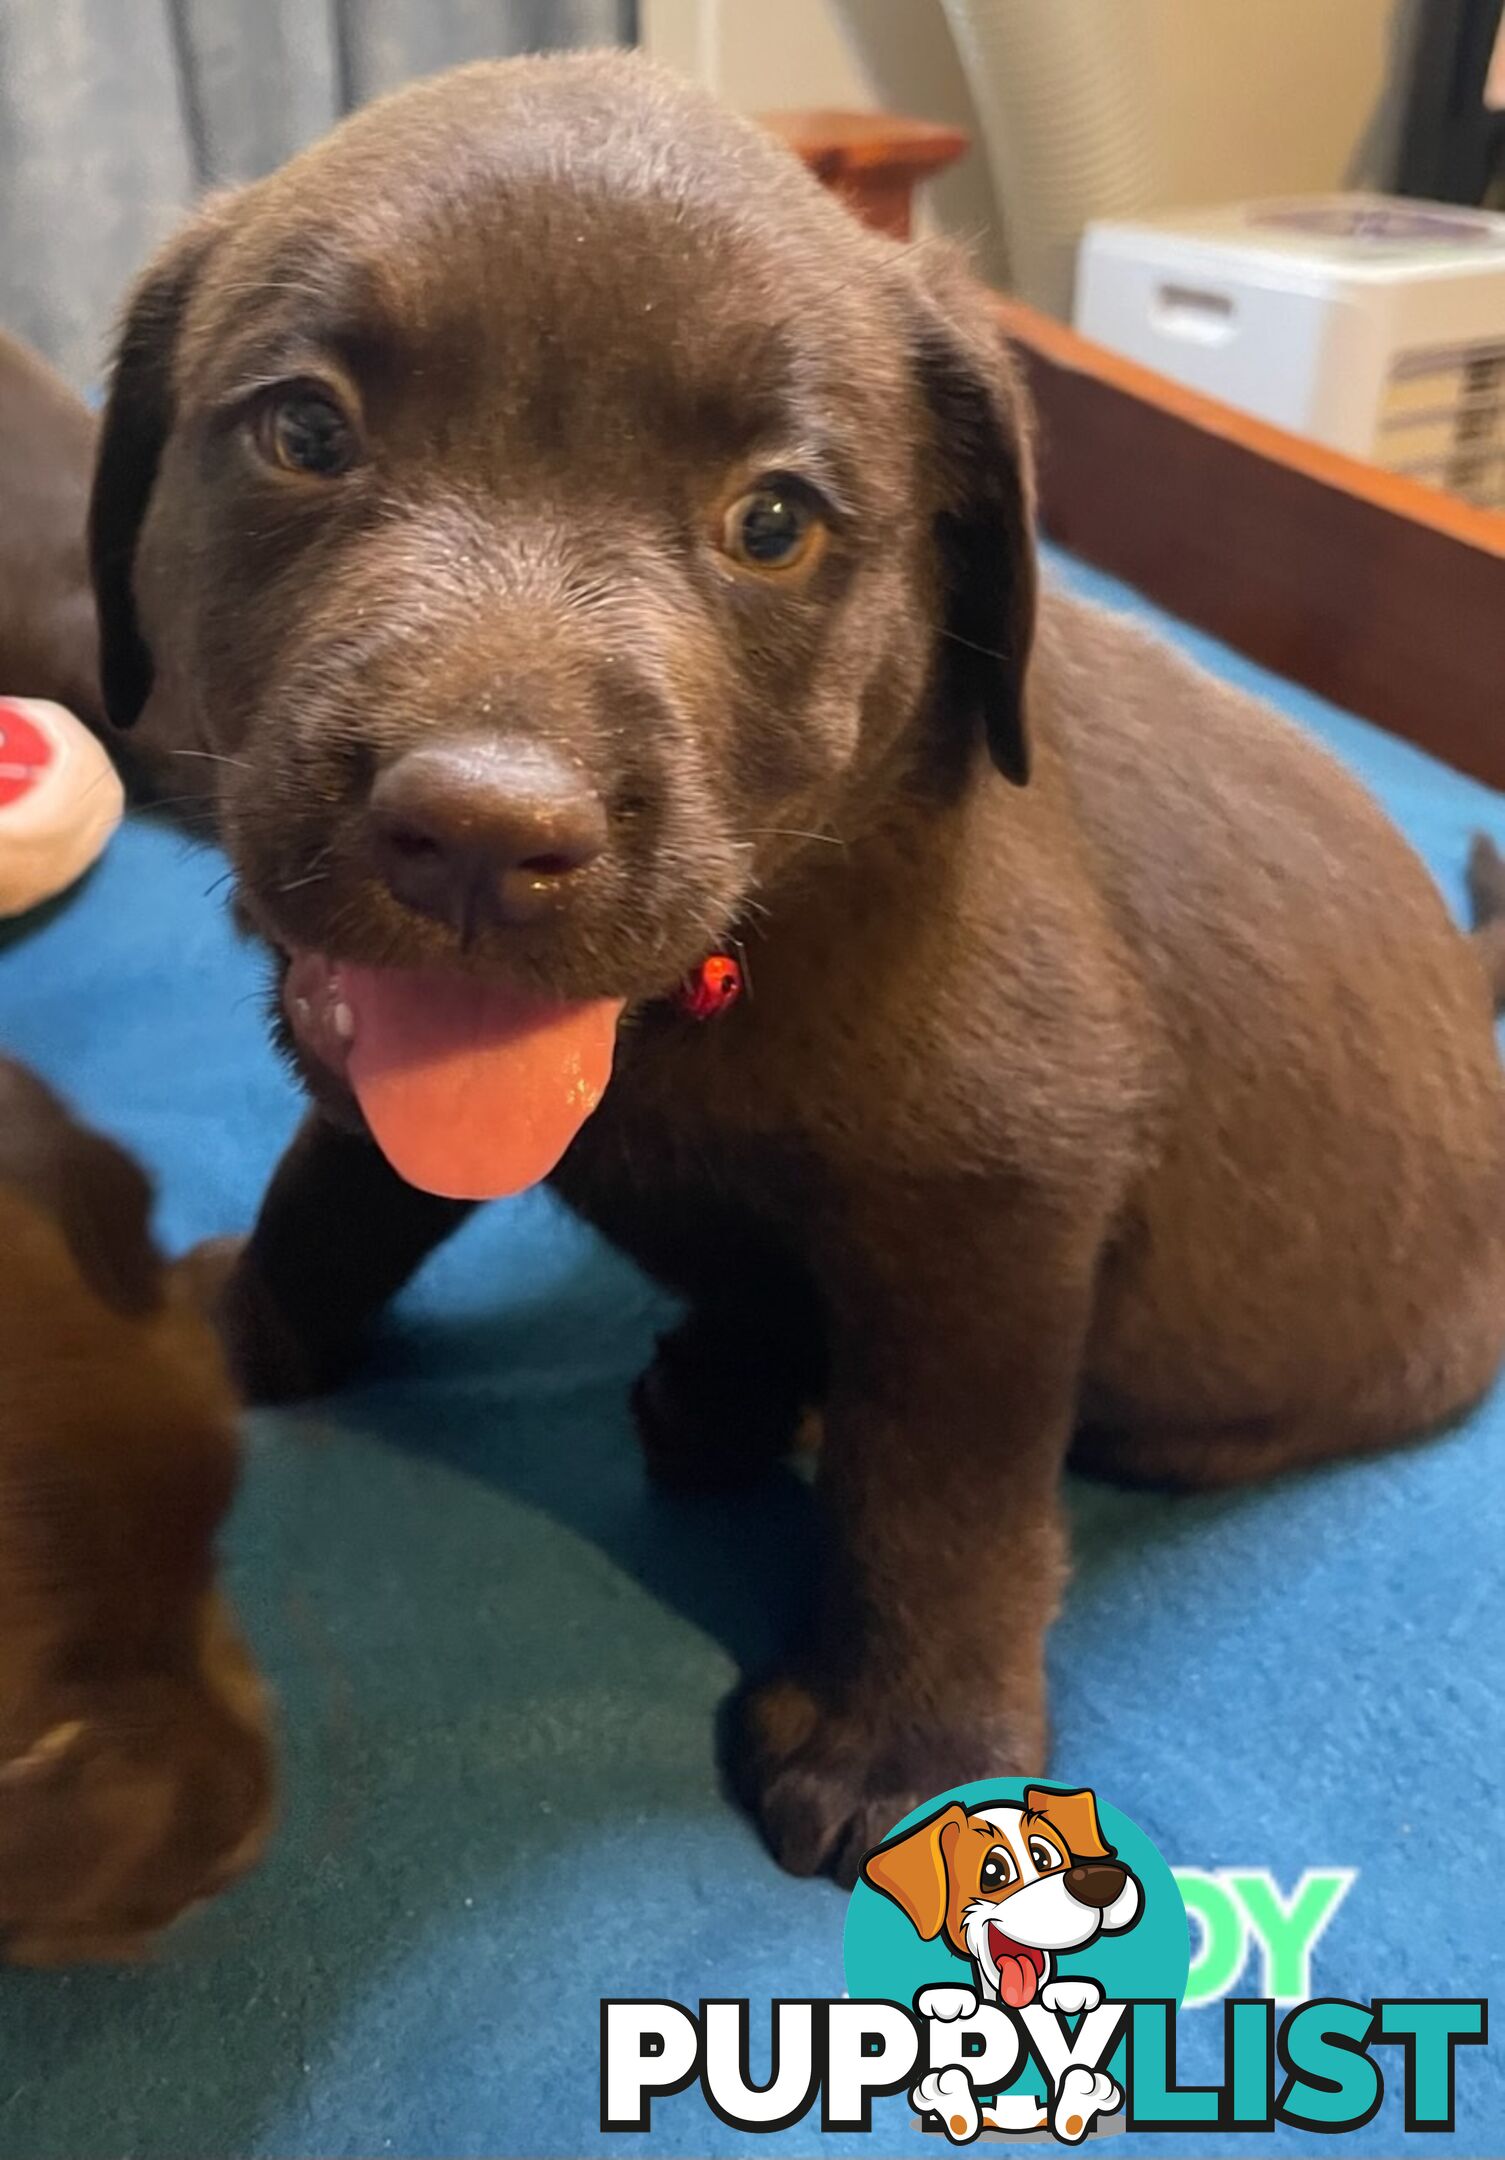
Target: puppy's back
[{"x": 48, "y": 641}]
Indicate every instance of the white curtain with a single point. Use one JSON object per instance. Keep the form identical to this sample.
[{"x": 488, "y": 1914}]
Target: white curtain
[{"x": 114, "y": 114}]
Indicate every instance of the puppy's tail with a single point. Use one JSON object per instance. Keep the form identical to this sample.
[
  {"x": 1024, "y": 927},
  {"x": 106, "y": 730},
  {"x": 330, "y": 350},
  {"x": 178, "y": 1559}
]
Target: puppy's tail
[{"x": 1486, "y": 893}]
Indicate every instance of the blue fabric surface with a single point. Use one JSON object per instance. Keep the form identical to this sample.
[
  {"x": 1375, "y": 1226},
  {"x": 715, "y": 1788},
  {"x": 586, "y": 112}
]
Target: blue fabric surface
[{"x": 499, "y": 1658}]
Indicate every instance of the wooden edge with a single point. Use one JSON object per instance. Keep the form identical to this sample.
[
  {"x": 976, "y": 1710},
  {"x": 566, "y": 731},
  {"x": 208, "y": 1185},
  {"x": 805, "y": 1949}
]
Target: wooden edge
[
  {"x": 1382, "y": 595},
  {"x": 845, "y": 145},
  {"x": 1053, "y": 342}
]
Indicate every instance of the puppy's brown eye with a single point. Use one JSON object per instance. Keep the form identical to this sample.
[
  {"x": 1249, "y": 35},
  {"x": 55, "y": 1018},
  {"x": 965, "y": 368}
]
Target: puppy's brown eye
[
  {"x": 776, "y": 527},
  {"x": 1044, "y": 1856},
  {"x": 305, "y": 432},
  {"x": 998, "y": 1870}
]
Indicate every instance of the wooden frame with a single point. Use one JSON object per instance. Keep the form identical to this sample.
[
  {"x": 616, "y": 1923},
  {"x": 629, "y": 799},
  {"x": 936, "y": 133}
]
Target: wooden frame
[
  {"x": 1383, "y": 595},
  {"x": 874, "y": 160}
]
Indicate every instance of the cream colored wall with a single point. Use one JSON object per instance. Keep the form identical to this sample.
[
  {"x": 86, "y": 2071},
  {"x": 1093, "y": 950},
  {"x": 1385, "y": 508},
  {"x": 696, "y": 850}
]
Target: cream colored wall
[
  {"x": 1238, "y": 97},
  {"x": 1252, "y": 96},
  {"x": 763, "y": 55},
  {"x": 759, "y": 54},
  {"x": 1264, "y": 96}
]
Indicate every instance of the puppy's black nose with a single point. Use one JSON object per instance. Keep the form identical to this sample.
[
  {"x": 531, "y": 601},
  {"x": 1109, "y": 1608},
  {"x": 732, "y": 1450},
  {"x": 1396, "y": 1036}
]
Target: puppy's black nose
[
  {"x": 470, "y": 832},
  {"x": 1096, "y": 1883}
]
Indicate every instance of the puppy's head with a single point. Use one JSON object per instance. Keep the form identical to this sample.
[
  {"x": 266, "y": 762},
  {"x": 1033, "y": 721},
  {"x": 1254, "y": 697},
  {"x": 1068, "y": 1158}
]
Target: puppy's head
[
  {"x": 135, "y": 1765},
  {"x": 1009, "y": 1887},
  {"x": 550, "y": 508}
]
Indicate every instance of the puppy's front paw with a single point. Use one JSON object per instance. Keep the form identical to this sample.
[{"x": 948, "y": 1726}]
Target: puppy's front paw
[
  {"x": 817, "y": 1785},
  {"x": 946, "y": 2004},
  {"x": 270, "y": 1360},
  {"x": 708, "y": 1419},
  {"x": 827, "y": 1785},
  {"x": 1070, "y": 1996}
]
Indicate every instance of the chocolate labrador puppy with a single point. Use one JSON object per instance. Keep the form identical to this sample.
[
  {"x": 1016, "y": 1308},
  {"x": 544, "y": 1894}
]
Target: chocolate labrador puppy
[
  {"x": 135, "y": 1769},
  {"x": 582, "y": 547}
]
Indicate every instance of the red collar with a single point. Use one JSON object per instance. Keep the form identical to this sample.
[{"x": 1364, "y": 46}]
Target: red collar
[{"x": 712, "y": 988}]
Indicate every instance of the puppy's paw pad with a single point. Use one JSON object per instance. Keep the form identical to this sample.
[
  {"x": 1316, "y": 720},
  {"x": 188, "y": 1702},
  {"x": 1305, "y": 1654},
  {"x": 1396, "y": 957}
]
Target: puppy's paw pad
[
  {"x": 947, "y": 2094},
  {"x": 946, "y": 2004},
  {"x": 1071, "y": 1996},
  {"x": 1084, "y": 2097}
]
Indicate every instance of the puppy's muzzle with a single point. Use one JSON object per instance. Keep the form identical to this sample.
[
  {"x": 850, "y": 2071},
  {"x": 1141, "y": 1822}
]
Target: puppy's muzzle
[{"x": 472, "y": 832}]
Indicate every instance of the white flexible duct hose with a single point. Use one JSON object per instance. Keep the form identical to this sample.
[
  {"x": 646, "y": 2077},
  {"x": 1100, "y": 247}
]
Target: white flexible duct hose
[{"x": 1064, "y": 92}]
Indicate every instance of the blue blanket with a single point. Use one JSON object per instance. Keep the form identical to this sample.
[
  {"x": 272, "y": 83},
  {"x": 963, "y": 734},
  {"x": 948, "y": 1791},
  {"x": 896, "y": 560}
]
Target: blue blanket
[{"x": 499, "y": 1657}]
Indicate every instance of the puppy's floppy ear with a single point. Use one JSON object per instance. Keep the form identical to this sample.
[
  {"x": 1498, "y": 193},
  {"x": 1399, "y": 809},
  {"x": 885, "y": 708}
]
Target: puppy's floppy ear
[
  {"x": 100, "y": 1200},
  {"x": 1074, "y": 1814},
  {"x": 985, "y": 519},
  {"x": 912, "y": 1870},
  {"x": 137, "y": 421}
]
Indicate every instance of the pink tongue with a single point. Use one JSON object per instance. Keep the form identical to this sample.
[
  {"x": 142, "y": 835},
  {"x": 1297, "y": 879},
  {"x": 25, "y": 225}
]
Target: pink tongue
[
  {"x": 471, "y": 1091},
  {"x": 1016, "y": 1981}
]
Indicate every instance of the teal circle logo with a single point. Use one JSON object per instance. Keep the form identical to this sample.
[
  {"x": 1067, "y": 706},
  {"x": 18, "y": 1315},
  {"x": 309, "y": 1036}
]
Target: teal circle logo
[{"x": 1021, "y": 1893}]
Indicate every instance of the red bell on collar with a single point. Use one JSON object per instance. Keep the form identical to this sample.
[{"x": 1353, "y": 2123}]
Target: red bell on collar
[{"x": 707, "y": 991}]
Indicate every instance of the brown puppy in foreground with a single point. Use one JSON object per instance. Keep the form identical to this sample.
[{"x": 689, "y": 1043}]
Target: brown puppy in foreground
[
  {"x": 580, "y": 545},
  {"x": 135, "y": 1770}
]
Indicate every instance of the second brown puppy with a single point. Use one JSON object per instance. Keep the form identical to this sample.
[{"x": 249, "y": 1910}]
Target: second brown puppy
[
  {"x": 136, "y": 1772},
  {"x": 578, "y": 545}
]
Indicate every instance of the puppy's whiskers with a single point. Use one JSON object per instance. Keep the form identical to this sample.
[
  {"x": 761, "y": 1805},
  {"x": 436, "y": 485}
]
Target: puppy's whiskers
[
  {"x": 987, "y": 652},
  {"x": 215, "y": 757},
  {"x": 316, "y": 873},
  {"x": 792, "y": 832}
]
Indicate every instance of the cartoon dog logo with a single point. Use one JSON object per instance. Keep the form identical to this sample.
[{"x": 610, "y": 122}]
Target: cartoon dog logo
[{"x": 1011, "y": 1887}]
